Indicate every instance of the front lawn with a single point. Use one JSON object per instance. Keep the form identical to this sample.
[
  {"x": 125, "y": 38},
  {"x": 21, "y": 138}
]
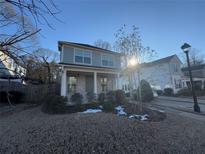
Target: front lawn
[{"x": 32, "y": 131}]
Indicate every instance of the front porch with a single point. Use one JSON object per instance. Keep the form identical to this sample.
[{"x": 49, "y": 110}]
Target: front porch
[{"x": 96, "y": 81}]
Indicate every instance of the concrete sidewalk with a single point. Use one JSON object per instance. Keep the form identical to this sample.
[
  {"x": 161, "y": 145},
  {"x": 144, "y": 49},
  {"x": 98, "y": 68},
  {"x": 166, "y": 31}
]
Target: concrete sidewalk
[{"x": 180, "y": 99}]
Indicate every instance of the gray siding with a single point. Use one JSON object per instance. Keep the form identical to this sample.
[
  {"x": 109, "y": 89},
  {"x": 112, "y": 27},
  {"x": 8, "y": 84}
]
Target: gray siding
[
  {"x": 68, "y": 57},
  {"x": 96, "y": 59},
  {"x": 68, "y": 54}
]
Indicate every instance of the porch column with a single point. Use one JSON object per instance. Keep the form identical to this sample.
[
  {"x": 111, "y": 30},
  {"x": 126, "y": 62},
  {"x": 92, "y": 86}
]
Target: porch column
[
  {"x": 118, "y": 81},
  {"x": 95, "y": 82},
  {"x": 63, "y": 83}
]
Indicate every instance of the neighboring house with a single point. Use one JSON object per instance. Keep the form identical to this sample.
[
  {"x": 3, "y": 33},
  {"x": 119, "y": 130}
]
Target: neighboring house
[
  {"x": 87, "y": 68},
  {"x": 198, "y": 73},
  {"x": 162, "y": 73},
  {"x": 10, "y": 69}
]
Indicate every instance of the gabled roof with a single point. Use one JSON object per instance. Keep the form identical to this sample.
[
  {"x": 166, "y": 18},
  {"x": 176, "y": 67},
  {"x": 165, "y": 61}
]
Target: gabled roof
[
  {"x": 84, "y": 46},
  {"x": 196, "y": 67},
  {"x": 160, "y": 61}
]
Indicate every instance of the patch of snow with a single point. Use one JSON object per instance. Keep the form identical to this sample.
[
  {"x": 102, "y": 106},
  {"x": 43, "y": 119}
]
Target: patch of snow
[
  {"x": 120, "y": 110},
  {"x": 100, "y": 106},
  {"x": 139, "y": 117},
  {"x": 92, "y": 111},
  {"x": 154, "y": 109}
]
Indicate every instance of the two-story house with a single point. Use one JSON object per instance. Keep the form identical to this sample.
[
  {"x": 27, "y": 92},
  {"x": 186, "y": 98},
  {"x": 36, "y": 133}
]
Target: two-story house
[
  {"x": 87, "y": 68},
  {"x": 161, "y": 73},
  {"x": 10, "y": 69}
]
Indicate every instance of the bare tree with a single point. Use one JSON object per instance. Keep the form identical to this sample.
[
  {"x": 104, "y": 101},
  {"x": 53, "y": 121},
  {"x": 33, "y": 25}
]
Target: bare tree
[
  {"x": 130, "y": 45},
  {"x": 19, "y": 23},
  {"x": 47, "y": 59},
  {"x": 103, "y": 44},
  {"x": 196, "y": 57}
]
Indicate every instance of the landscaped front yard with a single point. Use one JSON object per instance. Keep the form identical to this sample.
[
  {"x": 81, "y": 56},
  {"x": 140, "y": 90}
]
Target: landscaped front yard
[{"x": 32, "y": 131}]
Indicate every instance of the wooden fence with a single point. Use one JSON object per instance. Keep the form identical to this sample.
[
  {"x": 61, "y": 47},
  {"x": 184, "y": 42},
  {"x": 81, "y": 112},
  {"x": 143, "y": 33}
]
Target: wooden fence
[{"x": 31, "y": 93}]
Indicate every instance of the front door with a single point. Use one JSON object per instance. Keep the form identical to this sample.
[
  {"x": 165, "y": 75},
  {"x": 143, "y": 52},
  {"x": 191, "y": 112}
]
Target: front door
[{"x": 89, "y": 84}]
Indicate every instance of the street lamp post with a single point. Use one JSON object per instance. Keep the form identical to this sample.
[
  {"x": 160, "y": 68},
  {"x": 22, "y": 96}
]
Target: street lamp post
[{"x": 185, "y": 47}]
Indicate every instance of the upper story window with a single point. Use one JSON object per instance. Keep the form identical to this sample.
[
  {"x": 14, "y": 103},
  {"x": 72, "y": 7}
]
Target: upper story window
[
  {"x": 107, "y": 60},
  {"x": 82, "y": 56}
]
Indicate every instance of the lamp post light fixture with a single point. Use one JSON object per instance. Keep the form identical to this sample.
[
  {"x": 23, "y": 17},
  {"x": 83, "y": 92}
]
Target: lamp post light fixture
[{"x": 186, "y": 47}]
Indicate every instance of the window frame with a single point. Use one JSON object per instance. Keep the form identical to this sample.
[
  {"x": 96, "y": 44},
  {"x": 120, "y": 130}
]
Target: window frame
[
  {"x": 109, "y": 56},
  {"x": 83, "y": 51}
]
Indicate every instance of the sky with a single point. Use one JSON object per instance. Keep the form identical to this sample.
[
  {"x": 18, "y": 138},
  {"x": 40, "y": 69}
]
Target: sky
[{"x": 164, "y": 24}]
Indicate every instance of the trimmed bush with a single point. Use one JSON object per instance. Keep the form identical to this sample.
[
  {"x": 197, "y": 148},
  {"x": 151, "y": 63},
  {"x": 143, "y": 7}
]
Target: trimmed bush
[
  {"x": 54, "y": 104},
  {"x": 101, "y": 98},
  {"x": 91, "y": 96},
  {"x": 120, "y": 97},
  {"x": 108, "y": 106},
  {"x": 111, "y": 96},
  {"x": 146, "y": 91},
  {"x": 168, "y": 92},
  {"x": 159, "y": 92},
  {"x": 127, "y": 94},
  {"x": 77, "y": 98}
]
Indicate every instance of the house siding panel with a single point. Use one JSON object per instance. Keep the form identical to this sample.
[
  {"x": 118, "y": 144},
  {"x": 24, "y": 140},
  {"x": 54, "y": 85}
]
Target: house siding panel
[
  {"x": 68, "y": 54},
  {"x": 68, "y": 57},
  {"x": 96, "y": 58}
]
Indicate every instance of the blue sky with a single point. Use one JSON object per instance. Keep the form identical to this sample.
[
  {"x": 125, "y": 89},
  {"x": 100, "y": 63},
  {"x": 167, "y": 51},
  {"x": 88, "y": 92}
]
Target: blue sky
[{"x": 164, "y": 25}]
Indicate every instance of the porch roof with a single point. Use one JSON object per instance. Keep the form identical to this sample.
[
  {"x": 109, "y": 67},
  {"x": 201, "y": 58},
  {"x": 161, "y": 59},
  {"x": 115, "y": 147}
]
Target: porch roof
[{"x": 78, "y": 66}]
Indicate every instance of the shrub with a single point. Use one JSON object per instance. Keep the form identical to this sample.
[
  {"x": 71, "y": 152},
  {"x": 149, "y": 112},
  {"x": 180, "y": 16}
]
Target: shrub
[
  {"x": 91, "y": 96},
  {"x": 108, "y": 106},
  {"x": 101, "y": 98},
  {"x": 120, "y": 97},
  {"x": 168, "y": 92},
  {"x": 77, "y": 98},
  {"x": 127, "y": 94},
  {"x": 54, "y": 104},
  {"x": 111, "y": 96},
  {"x": 184, "y": 92},
  {"x": 146, "y": 91},
  {"x": 159, "y": 92},
  {"x": 14, "y": 96}
]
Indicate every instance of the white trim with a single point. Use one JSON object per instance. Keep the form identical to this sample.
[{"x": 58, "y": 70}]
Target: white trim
[
  {"x": 91, "y": 59},
  {"x": 89, "y": 69},
  {"x": 62, "y": 51}
]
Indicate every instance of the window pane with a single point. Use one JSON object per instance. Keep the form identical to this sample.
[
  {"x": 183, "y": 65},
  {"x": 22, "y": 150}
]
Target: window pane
[
  {"x": 87, "y": 60},
  {"x": 79, "y": 53},
  {"x": 87, "y": 54},
  {"x": 105, "y": 62},
  {"x": 79, "y": 59}
]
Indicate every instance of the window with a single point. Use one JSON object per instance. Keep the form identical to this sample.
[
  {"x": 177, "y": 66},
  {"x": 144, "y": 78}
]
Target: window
[
  {"x": 104, "y": 84},
  {"x": 72, "y": 81},
  {"x": 107, "y": 60},
  {"x": 83, "y": 57}
]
